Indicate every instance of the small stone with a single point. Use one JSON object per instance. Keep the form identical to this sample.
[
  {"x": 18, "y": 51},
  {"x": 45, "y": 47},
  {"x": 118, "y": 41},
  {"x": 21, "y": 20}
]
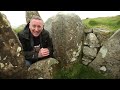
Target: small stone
[{"x": 103, "y": 68}]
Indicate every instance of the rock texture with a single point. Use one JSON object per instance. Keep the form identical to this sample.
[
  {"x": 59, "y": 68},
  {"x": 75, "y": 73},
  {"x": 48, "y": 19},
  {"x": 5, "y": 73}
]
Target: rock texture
[
  {"x": 11, "y": 55},
  {"x": 43, "y": 69},
  {"x": 108, "y": 58},
  {"x": 30, "y": 14},
  {"x": 67, "y": 35}
]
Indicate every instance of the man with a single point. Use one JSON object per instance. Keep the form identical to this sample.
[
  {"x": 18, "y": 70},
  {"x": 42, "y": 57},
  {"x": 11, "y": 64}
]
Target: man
[{"x": 36, "y": 42}]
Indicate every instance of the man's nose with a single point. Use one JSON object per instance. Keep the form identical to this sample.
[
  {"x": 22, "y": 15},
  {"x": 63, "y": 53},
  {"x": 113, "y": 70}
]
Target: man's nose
[{"x": 36, "y": 29}]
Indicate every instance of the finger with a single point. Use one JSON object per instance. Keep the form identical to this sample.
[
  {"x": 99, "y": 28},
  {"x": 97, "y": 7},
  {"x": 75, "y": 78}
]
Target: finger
[
  {"x": 45, "y": 49},
  {"x": 45, "y": 54}
]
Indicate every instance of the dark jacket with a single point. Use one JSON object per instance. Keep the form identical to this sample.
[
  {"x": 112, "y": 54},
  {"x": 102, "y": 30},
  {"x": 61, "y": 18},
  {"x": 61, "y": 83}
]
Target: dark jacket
[{"x": 28, "y": 44}]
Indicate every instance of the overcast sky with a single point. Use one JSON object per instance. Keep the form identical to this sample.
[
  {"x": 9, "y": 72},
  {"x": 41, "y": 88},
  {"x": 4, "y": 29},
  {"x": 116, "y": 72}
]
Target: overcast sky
[{"x": 17, "y": 18}]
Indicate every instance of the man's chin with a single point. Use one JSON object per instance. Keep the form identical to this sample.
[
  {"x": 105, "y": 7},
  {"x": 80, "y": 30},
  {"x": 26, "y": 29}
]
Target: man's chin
[{"x": 35, "y": 35}]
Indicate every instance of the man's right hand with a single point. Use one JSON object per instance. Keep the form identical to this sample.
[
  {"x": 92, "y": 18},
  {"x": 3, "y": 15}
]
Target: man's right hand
[{"x": 43, "y": 52}]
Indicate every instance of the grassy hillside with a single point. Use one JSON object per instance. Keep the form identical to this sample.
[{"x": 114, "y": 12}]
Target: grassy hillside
[
  {"x": 18, "y": 29},
  {"x": 110, "y": 23}
]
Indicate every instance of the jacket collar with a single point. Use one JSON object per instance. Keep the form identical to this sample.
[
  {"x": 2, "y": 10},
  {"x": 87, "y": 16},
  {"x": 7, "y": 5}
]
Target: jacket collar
[{"x": 26, "y": 32}]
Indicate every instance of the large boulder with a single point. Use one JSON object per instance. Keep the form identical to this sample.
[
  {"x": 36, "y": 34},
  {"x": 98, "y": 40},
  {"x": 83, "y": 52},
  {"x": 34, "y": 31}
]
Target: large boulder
[
  {"x": 30, "y": 14},
  {"x": 67, "y": 36},
  {"x": 108, "y": 58},
  {"x": 11, "y": 55},
  {"x": 48, "y": 24},
  {"x": 44, "y": 69}
]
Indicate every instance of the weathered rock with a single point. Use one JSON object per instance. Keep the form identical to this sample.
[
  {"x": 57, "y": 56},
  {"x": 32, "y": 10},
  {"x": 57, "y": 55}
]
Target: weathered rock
[
  {"x": 48, "y": 24},
  {"x": 43, "y": 69},
  {"x": 102, "y": 34},
  {"x": 108, "y": 58},
  {"x": 88, "y": 30},
  {"x": 91, "y": 40},
  {"x": 67, "y": 35},
  {"x": 11, "y": 55},
  {"x": 90, "y": 52},
  {"x": 86, "y": 60},
  {"x": 30, "y": 14}
]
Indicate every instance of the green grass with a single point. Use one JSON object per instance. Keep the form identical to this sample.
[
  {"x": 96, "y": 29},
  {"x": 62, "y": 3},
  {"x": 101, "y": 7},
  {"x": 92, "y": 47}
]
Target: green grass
[
  {"x": 110, "y": 23},
  {"x": 78, "y": 71},
  {"x": 18, "y": 29}
]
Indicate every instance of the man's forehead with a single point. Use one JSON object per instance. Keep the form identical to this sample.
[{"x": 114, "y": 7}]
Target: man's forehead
[{"x": 36, "y": 20}]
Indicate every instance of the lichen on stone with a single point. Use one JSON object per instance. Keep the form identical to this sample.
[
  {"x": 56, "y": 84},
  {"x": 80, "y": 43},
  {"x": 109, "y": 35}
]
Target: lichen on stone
[
  {"x": 5, "y": 58},
  {"x": 18, "y": 54},
  {"x": 19, "y": 49},
  {"x": 103, "y": 51},
  {"x": 76, "y": 53},
  {"x": 1, "y": 65}
]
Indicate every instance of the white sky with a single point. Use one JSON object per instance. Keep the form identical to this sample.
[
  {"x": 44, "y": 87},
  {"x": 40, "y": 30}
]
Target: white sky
[{"x": 17, "y": 18}]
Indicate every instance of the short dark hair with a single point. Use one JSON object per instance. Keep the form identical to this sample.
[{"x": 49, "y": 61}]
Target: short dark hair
[{"x": 36, "y": 17}]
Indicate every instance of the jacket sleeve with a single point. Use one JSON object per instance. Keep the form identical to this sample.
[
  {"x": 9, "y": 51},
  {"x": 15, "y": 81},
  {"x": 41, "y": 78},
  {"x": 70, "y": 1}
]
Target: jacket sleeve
[{"x": 29, "y": 55}]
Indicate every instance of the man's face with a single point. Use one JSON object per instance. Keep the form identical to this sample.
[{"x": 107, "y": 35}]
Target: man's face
[{"x": 36, "y": 27}]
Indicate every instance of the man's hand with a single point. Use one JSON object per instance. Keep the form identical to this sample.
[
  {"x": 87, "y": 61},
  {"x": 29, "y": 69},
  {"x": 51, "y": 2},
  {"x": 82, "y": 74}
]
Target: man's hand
[{"x": 43, "y": 52}]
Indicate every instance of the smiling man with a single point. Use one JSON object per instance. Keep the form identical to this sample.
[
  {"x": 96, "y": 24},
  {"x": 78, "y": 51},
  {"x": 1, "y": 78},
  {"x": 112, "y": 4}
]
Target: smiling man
[{"x": 36, "y": 41}]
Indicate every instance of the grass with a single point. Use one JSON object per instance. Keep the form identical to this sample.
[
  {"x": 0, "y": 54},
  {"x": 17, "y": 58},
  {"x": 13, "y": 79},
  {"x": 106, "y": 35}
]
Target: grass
[
  {"x": 110, "y": 23},
  {"x": 78, "y": 71},
  {"x": 18, "y": 29}
]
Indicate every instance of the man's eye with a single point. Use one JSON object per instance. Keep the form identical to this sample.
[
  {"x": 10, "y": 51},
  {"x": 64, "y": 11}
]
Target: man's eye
[
  {"x": 33, "y": 26},
  {"x": 38, "y": 26}
]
